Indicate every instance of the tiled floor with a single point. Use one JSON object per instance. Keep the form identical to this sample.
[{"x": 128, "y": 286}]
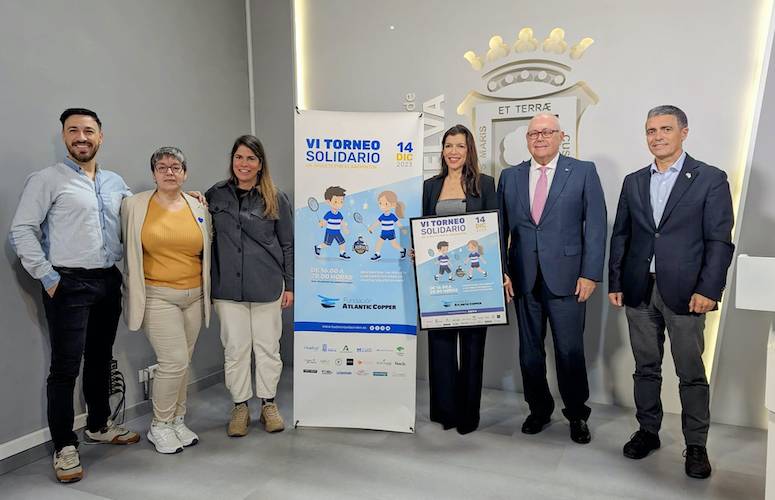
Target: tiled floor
[{"x": 495, "y": 462}]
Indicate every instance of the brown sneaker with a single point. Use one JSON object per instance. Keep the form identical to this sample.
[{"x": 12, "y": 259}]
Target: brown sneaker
[
  {"x": 112, "y": 433},
  {"x": 67, "y": 465},
  {"x": 271, "y": 418},
  {"x": 240, "y": 420}
]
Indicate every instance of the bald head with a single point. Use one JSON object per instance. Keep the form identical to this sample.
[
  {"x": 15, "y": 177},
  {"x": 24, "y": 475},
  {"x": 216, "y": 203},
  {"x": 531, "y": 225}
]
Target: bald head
[{"x": 544, "y": 136}]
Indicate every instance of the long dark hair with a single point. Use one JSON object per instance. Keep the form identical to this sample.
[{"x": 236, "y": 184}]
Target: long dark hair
[
  {"x": 264, "y": 184},
  {"x": 470, "y": 178}
]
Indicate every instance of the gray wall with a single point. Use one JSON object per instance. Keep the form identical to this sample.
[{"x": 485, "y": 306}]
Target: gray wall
[
  {"x": 175, "y": 72},
  {"x": 738, "y": 393},
  {"x": 356, "y": 62},
  {"x": 273, "y": 80},
  {"x": 172, "y": 72}
]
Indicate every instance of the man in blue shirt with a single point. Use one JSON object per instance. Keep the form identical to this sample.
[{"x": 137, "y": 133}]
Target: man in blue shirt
[
  {"x": 671, "y": 247},
  {"x": 67, "y": 233}
]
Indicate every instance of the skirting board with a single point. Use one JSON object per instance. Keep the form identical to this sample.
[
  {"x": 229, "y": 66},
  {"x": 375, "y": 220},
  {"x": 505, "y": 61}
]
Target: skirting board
[{"x": 36, "y": 445}]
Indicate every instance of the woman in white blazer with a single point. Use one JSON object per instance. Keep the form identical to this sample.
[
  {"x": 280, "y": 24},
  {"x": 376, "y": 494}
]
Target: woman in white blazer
[{"x": 167, "y": 236}]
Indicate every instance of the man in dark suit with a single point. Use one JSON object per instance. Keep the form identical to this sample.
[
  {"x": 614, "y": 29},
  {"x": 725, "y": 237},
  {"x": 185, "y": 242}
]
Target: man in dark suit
[
  {"x": 670, "y": 250},
  {"x": 554, "y": 215}
]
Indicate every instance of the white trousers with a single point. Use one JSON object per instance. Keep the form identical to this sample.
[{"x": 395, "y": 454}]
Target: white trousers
[
  {"x": 251, "y": 327},
  {"x": 172, "y": 321}
]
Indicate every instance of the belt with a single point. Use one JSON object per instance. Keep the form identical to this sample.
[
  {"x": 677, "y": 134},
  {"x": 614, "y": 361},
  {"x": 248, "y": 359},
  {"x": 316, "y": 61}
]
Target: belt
[{"x": 86, "y": 273}]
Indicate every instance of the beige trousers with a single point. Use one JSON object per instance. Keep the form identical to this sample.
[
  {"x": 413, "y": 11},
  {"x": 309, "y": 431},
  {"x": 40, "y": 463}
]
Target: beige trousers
[
  {"x": 251, "y": 327},
  {"x": 172, "y": 321}
]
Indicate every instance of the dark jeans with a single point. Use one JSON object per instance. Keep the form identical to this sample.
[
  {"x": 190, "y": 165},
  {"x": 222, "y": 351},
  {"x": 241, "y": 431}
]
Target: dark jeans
[
  {"x": 456, "y": 389},
  {"x": 566, "y": 317},
  {"x": 82, "y": 320},
  {"x": 647, "y": 335}
]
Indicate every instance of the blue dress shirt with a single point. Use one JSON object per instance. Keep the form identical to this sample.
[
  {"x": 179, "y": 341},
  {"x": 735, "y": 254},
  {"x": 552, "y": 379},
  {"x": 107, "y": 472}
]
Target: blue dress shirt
[
  {"x": 661, "y": 185},
  {"x": 65, "y": 219}
]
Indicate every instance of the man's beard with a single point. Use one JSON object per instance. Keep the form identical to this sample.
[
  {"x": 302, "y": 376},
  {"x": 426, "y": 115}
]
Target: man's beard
[{"x": 85, "y": 156}]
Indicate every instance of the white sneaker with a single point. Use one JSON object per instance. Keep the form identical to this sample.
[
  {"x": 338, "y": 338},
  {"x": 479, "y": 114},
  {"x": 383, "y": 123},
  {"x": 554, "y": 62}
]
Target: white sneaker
[
  {"x": 112, "y": 433},
  {"x": 164, "y": 438},
  {"x": 67, "y": 465},
  {"x": 186, "y": 436}
]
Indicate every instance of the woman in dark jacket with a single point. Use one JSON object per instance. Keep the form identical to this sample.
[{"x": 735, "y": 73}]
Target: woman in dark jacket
[
  {"x": 456, "y": 389},
  {"x": 252, "y": 279}
]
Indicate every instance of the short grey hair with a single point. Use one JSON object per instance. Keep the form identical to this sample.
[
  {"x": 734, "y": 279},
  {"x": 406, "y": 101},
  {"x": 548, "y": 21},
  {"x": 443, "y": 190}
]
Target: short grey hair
[
  {"x": 171, "y": 152},
  {"x": 544, "y": 114},
  {"x": 667, "y": 109}
]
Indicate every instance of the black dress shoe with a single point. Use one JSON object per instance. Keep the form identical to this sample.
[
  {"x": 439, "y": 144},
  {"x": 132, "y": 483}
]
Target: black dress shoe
[
  {"x": 444, "y": 423},
  {"x": 697, "y": 463},
  {"x": 579, "y": 432},
  {"x": 466, "y": 429},
  {"x": 641, "y": 444},
  {"x": 535, "y": 424}
]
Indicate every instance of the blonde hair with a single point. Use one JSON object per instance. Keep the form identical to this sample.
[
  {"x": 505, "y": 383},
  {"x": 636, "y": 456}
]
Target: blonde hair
[{"x": 392, "y": 198}]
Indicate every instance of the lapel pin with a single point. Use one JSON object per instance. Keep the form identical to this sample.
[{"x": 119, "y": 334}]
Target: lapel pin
[
  {"x": 688, "y": 175},
  {"x": 567, "y": 170},
  {"x": 200, "y": 219}
]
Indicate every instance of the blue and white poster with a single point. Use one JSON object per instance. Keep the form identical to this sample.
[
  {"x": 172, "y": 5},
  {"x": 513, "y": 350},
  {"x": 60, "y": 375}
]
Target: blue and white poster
[
  {"x": 358, "y": 181},
  {"x": 459, "y": 272}
]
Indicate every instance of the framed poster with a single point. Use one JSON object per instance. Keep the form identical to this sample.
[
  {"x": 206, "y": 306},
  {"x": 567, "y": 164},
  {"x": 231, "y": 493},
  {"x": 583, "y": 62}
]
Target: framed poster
[{"x": 458, "y": 270}]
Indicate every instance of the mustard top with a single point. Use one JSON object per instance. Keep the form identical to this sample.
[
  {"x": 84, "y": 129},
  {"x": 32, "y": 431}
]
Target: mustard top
[{"x": 172, "y": 248}]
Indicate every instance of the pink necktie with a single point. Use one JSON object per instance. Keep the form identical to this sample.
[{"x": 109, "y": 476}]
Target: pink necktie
[{"x": 539, "y": 198}]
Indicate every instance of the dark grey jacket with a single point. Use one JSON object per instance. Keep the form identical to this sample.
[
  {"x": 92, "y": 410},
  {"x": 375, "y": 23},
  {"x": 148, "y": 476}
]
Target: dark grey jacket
[{"x": 252, "y": 255}]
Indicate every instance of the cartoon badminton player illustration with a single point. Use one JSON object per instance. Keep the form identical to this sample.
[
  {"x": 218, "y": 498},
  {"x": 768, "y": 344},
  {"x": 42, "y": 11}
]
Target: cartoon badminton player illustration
[
  {"x": 334, "y": 222},
  {"x": 474, "y": 258},
  {"x": 443, "y": 260},
  {"x": 392, "y": 210}
]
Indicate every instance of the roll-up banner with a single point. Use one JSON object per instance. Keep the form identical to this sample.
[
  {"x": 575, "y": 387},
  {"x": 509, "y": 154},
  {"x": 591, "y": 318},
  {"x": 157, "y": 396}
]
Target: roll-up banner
[{"x": 358, "y": 180}]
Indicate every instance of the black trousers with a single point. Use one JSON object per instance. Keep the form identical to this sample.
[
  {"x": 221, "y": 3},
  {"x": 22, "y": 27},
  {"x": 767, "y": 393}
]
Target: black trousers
[
  {"x": 456, "y": 389},
  {"x": 566, "y": 317},
  {"x": 82, "y": 320},
  {"x": 647, "y": 324}
]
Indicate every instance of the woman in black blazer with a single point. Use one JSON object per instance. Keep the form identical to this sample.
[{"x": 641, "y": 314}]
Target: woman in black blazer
[{"x": 456, "y": 389}]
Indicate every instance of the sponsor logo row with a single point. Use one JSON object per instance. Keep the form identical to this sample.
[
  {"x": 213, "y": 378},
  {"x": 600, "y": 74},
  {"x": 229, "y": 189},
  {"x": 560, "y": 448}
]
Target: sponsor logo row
[
  {"x": 399, "y": 349},
  {"x": 351, "y": 362},
  {"x": 360, "y": 372}
]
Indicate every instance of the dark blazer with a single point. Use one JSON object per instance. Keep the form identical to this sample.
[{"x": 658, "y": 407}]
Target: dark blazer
[
  {"x": 692, "y": 244},
  {"x": 431, "y": 190},
  {"x": 569, "y": 240}
]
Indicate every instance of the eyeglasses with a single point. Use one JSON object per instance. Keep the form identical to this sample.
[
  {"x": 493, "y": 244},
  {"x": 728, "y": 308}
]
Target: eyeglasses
[
  {"x": 163, "y": 169},
  {"x": 545, "y": 133}
]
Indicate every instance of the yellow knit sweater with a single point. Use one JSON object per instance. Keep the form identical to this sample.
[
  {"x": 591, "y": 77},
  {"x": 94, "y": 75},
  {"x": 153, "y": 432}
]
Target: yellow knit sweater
[{"x": 172, "y": 248}]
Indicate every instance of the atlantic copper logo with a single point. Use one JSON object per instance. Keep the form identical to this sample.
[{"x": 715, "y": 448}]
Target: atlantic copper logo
[{"x": 520, "y": 79}]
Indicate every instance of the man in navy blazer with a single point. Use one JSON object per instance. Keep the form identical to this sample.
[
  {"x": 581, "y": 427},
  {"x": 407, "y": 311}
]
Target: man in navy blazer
[
  {"x": 670, "y": 250},
  {"x": 554, "y": 217}
]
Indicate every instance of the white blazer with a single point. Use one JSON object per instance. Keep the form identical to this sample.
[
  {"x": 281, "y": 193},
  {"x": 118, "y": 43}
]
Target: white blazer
[{"x": 133, "y": 212}]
